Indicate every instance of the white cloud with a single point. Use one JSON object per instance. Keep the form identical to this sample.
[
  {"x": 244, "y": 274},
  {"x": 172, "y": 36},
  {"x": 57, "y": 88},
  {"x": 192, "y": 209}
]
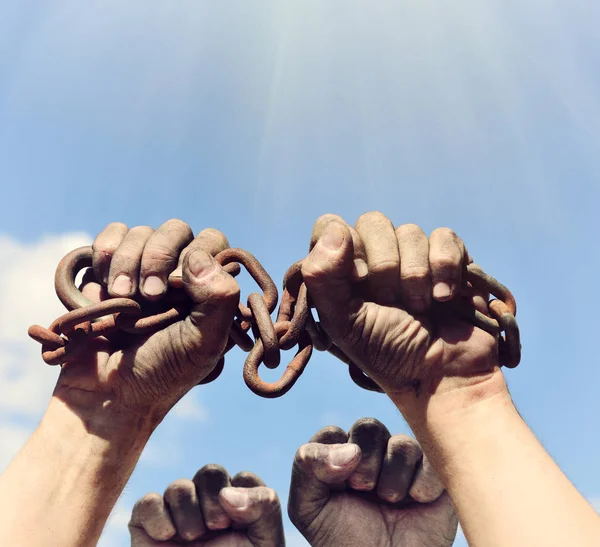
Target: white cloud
[
  {"x": 189, "y": 408},
  {"x": 27, "y": 296},
  {"x": 116, "y": 532}
]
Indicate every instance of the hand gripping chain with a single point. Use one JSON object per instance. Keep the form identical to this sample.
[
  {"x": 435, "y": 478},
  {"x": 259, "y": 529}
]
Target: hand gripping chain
[{"x": 295, "y": 325}]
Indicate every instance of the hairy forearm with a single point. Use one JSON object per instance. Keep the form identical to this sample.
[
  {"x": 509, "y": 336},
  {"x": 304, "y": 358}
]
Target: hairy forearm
[
  {"x": 61, "y": 487},
  {"x": 505, "y": 487}
]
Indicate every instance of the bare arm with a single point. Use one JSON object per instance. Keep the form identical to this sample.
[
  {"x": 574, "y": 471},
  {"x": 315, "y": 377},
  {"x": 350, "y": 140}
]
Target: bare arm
[
  {"x": 507, "y": 489},
  {"x": 61, "y": 487},
  {"x": 66, "y": 479}
]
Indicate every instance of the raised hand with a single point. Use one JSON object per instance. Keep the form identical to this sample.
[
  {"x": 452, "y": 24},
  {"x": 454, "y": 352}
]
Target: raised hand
[
  {"x": 150, "y": 373},
  {"x": 367, "y": 487},
  {"x": 211, "y": 510},
  {"x": 376, "y": 288}
]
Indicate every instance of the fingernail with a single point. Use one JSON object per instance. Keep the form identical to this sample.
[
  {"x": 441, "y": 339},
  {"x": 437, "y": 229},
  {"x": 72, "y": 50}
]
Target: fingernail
[
  {"x": 235, "y": 497},
  {"x": 358, "y": 482},
  {"x": 442, "y": 289},
  {"x": 154, "y": 285},
  {"x": 343, "y": 455},
  {"x": 386, "y": 296},
  {"x": 361, "y": 270},
  {"x": 201, "y": 263},
  {"x": 333, "y": 237},
  {"x": 122, "y": 285}
]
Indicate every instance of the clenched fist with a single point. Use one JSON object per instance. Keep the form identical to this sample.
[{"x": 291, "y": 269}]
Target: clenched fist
[
  {"x": 377, "y": 291},
  {"x": 211, "y": 510},
  {"x": 152, "y": 372},
  {"x": 366, "y": 487}
]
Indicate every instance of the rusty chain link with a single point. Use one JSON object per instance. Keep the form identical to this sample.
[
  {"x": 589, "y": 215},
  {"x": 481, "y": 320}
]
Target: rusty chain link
[{"x": 295, "y": 325}]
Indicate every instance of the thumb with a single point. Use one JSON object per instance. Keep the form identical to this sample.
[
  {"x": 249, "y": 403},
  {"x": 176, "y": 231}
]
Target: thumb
[
  {"x": 215, "y": 296},
  {"x": 257, "y": 510},
  {"x": 318, "y": 469},
  {"x": 328, "y": 271}
]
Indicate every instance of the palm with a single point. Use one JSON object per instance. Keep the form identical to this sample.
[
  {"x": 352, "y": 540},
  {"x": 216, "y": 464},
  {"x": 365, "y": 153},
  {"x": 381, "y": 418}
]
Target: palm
[{"x": 354, "y": 521}]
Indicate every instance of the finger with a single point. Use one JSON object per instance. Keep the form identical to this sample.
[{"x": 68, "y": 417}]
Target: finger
[
  {"x": 427, "y": 486},
  {"x": 161, "y": 255},
  {"x": 104, "y": 247},
  {"x": 151, "y": 516},
  {"x": 446, "y": 260},
  {"x": 402, "y": 456},
  {"x": 327, "y": 272},
  {"x": 383, "y": 260},
  {"x": 415, "y": 275},
  {"x": 360, "y": 269},
  {"x": 215, "y": 296},
  {"x": 125, "y": 264},
  {"x": 258, "y": 510},
  {"x": 209, "y": 481},
  {"x": 210, "y": 241},
  {"x": 331, "y": 434},
  {"x": 246, "y": 479},
  {"x": 372, "y": 438},
  {"x": 317, "y": 469},
  {"x": 182, "y": 502}
]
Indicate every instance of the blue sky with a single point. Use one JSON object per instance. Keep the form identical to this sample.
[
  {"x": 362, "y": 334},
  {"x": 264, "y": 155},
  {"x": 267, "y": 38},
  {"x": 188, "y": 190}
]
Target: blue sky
[{"x": 256, "y": 118}]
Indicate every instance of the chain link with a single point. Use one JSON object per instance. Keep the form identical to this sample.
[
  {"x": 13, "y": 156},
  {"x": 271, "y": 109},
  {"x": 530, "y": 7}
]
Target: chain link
[{"x": 66, "y": 337}]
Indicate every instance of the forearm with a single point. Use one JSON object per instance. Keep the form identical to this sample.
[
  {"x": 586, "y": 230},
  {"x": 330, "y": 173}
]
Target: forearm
[
  {"x": 505, "y": 487},
  {"x": 61, "y": 487}
]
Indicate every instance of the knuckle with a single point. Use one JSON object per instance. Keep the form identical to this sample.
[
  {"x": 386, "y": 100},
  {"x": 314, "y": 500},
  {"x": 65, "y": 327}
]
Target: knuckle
[
  {"x": 179, "y": 489},
  {"x": 147, "y": 502},
  {"x": 410, "y": 238},
  {"x": 406, "y": 446},
  {"x": 416, "y": 274},
  {"x": 227, "y": 290},
  {"x": 117, "y": 226},
  {"x": 141, "y": 231},
  {"x": 327, "y": 218},
  {"x": 216, "y": 235},
  {"x": 305, "y": 456},
  {"x": 384, "y": 266},
  {"x": 372, "y": 217},
  {"x": 447, "y": 260},
  {"x": 271, "y": 499},
  {"x": 159, "y": 253},
  {"x": 175, "y": 224},
  {"x": 409, "y": 230},
  {"x": 368, "y": 425},
  {"x": 444, "y": 232}
]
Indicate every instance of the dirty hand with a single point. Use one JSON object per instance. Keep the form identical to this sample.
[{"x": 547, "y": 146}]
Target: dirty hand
[
  {"x": 150, "y": 373},
  {"x": 376, "y": 291},
  {"x": 211, "y": 510},
  {"x": 368, "y": 488}
]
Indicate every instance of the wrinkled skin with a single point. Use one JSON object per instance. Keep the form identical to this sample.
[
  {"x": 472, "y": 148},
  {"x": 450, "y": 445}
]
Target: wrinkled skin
[
  {"x": 211, "y": 510},
  {"x": 149, "y": 374},
  {"x": 405, "y": 503},
  {"x": 376, "y": 288}
]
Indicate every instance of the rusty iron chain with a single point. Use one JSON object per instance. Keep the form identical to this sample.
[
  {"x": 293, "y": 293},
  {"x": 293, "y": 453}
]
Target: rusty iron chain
[{"x": 295, "y": 325}]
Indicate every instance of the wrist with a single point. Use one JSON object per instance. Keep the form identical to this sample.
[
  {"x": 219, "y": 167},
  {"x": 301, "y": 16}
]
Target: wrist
[
  {"x": 98, "y": 416},
  {"x": 448, "y": 398}
]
